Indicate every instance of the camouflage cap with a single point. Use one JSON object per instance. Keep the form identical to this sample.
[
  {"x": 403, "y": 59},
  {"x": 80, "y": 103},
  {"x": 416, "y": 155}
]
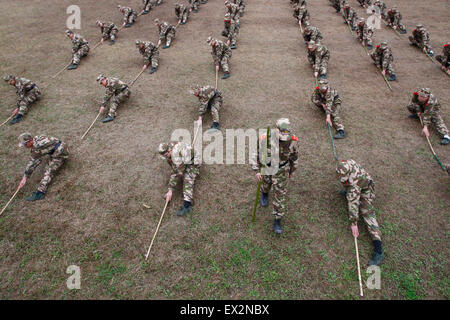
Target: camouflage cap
[
  {"x": 424, "y": 92},
  {"x": 210, "y": 40},
  {"x": 68, "y": 31},
  {"x": 419, "y": 26},
  {"x": 163, "y": 148},
  {"x": 138, "y": 42},
  {"x": 156, "y": 21},
  {"x": 120, "y": 7},
  {"x": 311, "y": 44},
  {"x": 98, "y": 23},
  {"x": 8, "y": 77},
  {"x": 343, "y": 168},
  {"x": 100, "y": 78},
  {"x": 323, "y": 83},
  {"x": 24, "y": 138},
  {"x": 384, "y": 44},
  {"x": 227, "y": 3},
  {"x": 194, "y": 88},
  {"x": 284, "y": 129},
  {"x": 228, "y": 16}
]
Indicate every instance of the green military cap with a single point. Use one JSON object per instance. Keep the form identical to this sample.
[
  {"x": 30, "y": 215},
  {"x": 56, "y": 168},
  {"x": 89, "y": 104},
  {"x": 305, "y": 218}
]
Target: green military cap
[
  {"x": 24, "y": 138},
  {"x": 284, "y": 129}
]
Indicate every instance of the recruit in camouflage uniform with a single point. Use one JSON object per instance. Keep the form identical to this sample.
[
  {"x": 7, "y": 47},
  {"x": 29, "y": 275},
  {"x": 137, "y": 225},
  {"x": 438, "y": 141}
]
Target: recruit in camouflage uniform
[
  {"x": 231, "y": 30},
  {"x": 381, "y": 7},
  {"x": 194, "y": 4},
  {"x": 241, "y": 5},
  {"x": 421, "y": 38},
  {"x": 365, "y": 33},
  {"x": 146, "y": 6},
  {"x": 129, "y": 15},
  {"x": 233, "y": 9},
  {"x": 327, "y": 99},
  {"x": 350, "y": 16},
  {"x": 221, "y": 54},
  {"x": 180, "y": 157},
  {"x": 108, "y": 30},
  {"x": 444, "y": 59},
  {"x": 182, "y": 13},
  {"x": 365, "y": 3},
  {"x": 312, "y": 33},
  {"x": 41, "y": 146},
  {"x": 301, "y": 14},
  {"x": 150, "y": 53},
  {"x": 360, "y": 193},
  {"x": 210, "y": 98},
  {"x": 27, "y": 93},
  {"x": 394, "y": 20},
  {"x": 166, "y": 33},
  {"x": 424, "y": 103},
  {"x": 116, "y": 91},
  {"x": 318, "y": 56},
  {"x": 383, "y": 59},
  {"x": 287, "y": 150},
  {"x": 80, "y": 48}
]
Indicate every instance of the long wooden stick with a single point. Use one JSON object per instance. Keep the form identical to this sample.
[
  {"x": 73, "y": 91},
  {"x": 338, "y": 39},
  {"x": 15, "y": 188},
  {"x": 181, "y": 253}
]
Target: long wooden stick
[
  {"x": 6, "y": 206},
  {"x": 142, "y": 71},
  {"x": 359, "y": 268},
  {"x": 6, "y": 120},
  {"x": 432, "y": 150},
  {"x": 332, "y": 142},
  {"x": 387, "y": 25},
  {"x": 82, "y": 137},
  {"x": 61, "y": 70},
  {"x": 157, "y": 228},
  {"x": 386, "y": 80},
  {"x": 217, "y": 78},
  {"x": 99, "y": 43}
]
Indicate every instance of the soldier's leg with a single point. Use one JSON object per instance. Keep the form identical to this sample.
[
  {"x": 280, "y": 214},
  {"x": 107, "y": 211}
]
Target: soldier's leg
[
  {"x": 280, "y": 182},
  {"x": 224, "y": 64},
  {"x": 413, "y": 41},
  {"x": 323, "y": 67},
  {"x": 50, "y": 169},
  {"x": 188, "y": 182},
  {"x": 336, "y": 119},
  {"x": 266, "y": 184},
  {"x": 439, "y": 124},
  {"x": 368, "y": 213},
  {"x": 23, "y": 106},
  {"x": 170, "y": 36},
  {"x": 215, "y": 107},
  {"x": 113, "y": 35},
  {"x": 155, "y": 59},
  {"x": 76, "y": 57},
  {"x": 113, "y": 106}
]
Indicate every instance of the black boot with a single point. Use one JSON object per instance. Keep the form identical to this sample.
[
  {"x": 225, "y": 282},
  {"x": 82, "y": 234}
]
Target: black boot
[
  {"x": 340, "y": 134},
  {"x": 38, "y": 195},
  {"x": 128, "y": 25},
  {"x": 153, "y": 70},
  {"x": 226, "y": 75},
  {"x": 16, "y": 119},
  {"x": 264, "y": 200},
  {"x": 145, "y": 12},
  {"x": 185, "y": 209},
  {"x": 108, "y": 119},
  {"x": 111, "y": 42},
  {"x": 215, "y": 126},
  {"x": 413, "y": 116},
  {"x": 277, "y": 226},
  {"x": 378, "y": 255},
  {"x": 445, "y": 141},
  {"x": 72, "y": 66},
  {"x": 343, "y": 192}
]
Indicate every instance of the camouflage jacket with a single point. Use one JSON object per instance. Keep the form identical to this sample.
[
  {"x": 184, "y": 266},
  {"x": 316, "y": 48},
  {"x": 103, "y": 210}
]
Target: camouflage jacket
[
  {"x": 394, "y": 17},
  {"x": 180, "y": 11},
  {"x": 78, "y": 42},
  {"x": 23, "y": 87},
  {"x": 428, "y": 108},
  {"x": 127, "y": 11},
  {"x": 287, "y": 151},
  {"x": 300, "y": 13},
  {"x": 114, "y": 87},
  {"x": 316, "y": 57},
  {"x": 219, "y": 51},
  {"x": 164, "y": 28},
  {"x": 313, "y": 34},
  {"x": 422, "y": 36},
  {"x": 42, "y": 146},
  {"x": 234, "y": 12},
  {"x": 354, "y": 182},
  {"x": 148, "y": 51},
  {"x": 232, "y": 27},
  {"x": 364, "y": 31},
  {"x": 107, "y": 28},
  {"x": 382, "y": 57},
  {"x": 207, "y": 93},
  {"x": 181, "y": 158},
  {"x": 330, "y": 99}
]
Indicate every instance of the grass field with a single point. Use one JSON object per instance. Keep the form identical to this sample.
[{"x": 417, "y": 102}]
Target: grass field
[{"x": 93, "y": 215}]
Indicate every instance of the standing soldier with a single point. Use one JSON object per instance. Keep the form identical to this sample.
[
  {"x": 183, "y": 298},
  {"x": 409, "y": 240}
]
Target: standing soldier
[
  {"x": 394, "y": 20},
  {"x": 108, "y": 30},
  {"x": 129, "y": 16},
  {"x": 360, "y": 193},
  {"x": 166, "y": 33},
  {"x": 365, "y": 33},
  {"x": 182, "y": 13},
  {"x": 301, "y": 14},
  {"x": 231, "y": 30},
  {"x": 382, "y": 8},
  {"x": 421, "y": 38},
  {"x": 41, "y": 146},
  {"x": 80, "y": 48},
  {"x": 117, "y": 91},
  {"x": 444, "y": 58},
  {"x": 150, "y": 53},
  {"x": 424, "y": 103},
  {"x": 194, "y": 5},
  {"x": 312, "y": 33},
  {"x": 221, "y": 54},
  {"x": 233, "y": 9},
  {"x": 383, "y": 59},
  {"x": 180, "y": 157},
  {"x": 327, "y": 99},
  {"x": 287, "y": 150},
  {"x": 146, "y": 6},
  {"x": 318, "y": 56},
  {"x": 27, "y": 93},
  {"x": 350, "y": 16},
  {"x": 210, "y": 98}
]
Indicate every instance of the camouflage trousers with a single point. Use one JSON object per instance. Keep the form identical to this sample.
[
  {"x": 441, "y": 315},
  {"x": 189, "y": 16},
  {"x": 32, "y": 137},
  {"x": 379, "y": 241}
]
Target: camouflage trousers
[
  {"x": 224, "y": 63},
  {"x": 25, "y": 101},
  {"x": 443, "y": 60},
  {"x": 191, "y": 172},
  {"x": 335, "y": 117},
  {"x": 436, "y": 118},
  {"x": 82, "y": 52},
  {"x": 362, "y": 203},
  {"x": 113, "y": 34},
  {"x": 215, "y": 105},
  {"x": 130, "y": 19},
  {"x": 279, "y": 181},
  {"x": 303, "y": 19},
  {"x": 366, "y": 38},
  {"x": 169, "y": 36},
  {"x": 153, "y": 59},
  {"x": 321, "y": 66},
  {"x": 147, "y": 6},
  {"x": 57, "y": 159},
  {"x": 184, "y": 16},
  {"x": 116, "y": 100},
  {"x": 194, "y": 4}
]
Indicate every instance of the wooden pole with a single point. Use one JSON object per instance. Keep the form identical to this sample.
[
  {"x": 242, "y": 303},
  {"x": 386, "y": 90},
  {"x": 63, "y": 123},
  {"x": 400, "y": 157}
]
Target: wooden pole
[
  {"x": 99, "y": 43},
  {"x": 6, "y": 206},
  {"x": 61, "y": 70},
  {"x": 359, "y": 268},
  {"x": 432, "y": 150},
  {"x": 157, "y": 228},
  {"x": 217, "y": 78},
  {"x": 82, "y": 137},
  {"x": 10, "y": 117},
  {"x": 142, "y": 71}
]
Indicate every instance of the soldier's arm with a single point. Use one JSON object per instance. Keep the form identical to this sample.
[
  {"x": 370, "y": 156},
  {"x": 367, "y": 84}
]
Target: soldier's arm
[
  {"x": 173, "y": 180},
  {"x": 386, "y": 58},
  {"x": 108, "y": 94},
  {"x": 329, "y": 103},
  {"x": 34, "y": 162},
  {"x": 353, "y": 195},
  {"x": 315, "y": 99},
  {"x": 293, "y": 159}
]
